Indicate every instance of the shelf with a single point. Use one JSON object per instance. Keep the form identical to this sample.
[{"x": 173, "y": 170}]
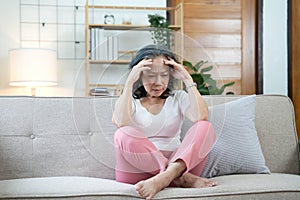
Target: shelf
[
  {"x": 109, "y": 61},
  {"x": 131, "y": 7},
  {"x": 94, "y": 33},
  {"x": 128, "y": 27}
]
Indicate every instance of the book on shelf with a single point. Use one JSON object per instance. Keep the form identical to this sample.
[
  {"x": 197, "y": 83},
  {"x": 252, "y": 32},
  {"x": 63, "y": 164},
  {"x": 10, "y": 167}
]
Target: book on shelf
[
  {"x": 99, "y": 92},
  {"x": 103, "y": 47}
]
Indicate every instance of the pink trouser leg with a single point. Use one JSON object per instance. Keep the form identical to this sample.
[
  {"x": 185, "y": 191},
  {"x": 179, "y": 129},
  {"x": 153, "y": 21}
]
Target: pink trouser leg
[
  {"x": 137, "y": 158},
  {"x": 195, "y": 147}
]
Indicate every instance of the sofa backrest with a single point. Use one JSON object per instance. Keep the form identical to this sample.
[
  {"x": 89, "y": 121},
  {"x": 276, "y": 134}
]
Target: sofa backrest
[{"x": 49, "y": 136}]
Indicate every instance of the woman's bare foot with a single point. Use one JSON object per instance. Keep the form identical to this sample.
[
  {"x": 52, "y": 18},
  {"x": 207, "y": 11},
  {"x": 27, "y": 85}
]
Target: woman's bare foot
[
  {"x": 189, "y": 180},
  {"x": 148, "y": 188}
]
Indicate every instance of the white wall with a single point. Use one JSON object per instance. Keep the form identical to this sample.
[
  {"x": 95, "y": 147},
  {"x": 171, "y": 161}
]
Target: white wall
[
  {"x": 71, "y": 73},
  {"x": 275, "y": 47},
  {"x": 9, "y": 38}
]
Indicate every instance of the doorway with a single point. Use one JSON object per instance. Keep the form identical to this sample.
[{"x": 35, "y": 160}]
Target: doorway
[{"x": 293, "y": 57}]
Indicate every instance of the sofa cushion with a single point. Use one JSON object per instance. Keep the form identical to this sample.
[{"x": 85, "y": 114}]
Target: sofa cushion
[
  {"x": 237, "y": 149},
  {"x": 228, "y": 187}
]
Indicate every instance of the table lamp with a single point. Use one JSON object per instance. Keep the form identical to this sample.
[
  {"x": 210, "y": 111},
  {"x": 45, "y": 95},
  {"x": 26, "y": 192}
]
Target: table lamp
[{"x": 33, "y": 67}]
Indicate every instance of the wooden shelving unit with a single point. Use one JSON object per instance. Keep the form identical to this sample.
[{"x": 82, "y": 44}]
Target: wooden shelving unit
[
  {"x": 125, "y": 27},
  {"x": 177, "y": 18}
]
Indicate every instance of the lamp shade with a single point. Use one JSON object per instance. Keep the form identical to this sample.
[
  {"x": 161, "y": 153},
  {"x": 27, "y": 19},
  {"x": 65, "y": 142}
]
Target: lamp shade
[{"x": 33, "y": 67}]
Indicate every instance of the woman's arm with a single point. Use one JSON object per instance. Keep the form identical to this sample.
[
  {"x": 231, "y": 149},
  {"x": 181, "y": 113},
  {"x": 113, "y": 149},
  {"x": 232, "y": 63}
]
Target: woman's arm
[
  {"x": 123, "y": 107},
  {"x": 197, "y": 110}
]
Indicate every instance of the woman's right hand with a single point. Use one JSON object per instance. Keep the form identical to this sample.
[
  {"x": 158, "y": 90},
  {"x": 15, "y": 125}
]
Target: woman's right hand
[
  {"x": 136, "y": 71},
  {"x": 123, "y": 107}
]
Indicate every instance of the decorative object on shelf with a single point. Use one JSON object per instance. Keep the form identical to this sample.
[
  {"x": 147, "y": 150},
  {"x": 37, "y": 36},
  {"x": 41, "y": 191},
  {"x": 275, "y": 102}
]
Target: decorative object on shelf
[
  {"x": 127, "y": 19},
  {"x": 99, "y": 92},
  {"x": 33, "y": 67},
  {"x": 106, "y": 90},
  {"x": 109, "y": 19},
  {"x": 161, "y": 34},
  {"x": 206, "y": 85}
]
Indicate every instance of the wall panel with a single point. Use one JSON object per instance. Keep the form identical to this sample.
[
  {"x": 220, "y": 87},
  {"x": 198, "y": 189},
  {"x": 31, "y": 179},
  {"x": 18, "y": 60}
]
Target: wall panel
[{"x": 214, "y": 31}]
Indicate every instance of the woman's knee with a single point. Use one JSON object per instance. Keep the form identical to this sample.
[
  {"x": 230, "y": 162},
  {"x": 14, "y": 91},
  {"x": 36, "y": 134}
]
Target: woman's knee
[
  {"x": 203, "y": 123},
  {"x": 129, "y": 131},
  {"x": 205, "y": 127},
  {"x": 128, "y": 136}
]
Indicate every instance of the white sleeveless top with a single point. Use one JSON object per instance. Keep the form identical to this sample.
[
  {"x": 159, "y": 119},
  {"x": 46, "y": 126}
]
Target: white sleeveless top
[{"x": 164, "y": 128}]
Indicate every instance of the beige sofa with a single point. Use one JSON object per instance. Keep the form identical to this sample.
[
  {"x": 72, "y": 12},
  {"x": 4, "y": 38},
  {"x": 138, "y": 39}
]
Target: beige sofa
[{"x": 62, "y": 148}]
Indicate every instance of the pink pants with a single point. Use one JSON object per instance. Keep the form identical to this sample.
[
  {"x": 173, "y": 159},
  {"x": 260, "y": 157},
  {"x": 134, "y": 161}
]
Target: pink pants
[{"x": 138, "y": 159}]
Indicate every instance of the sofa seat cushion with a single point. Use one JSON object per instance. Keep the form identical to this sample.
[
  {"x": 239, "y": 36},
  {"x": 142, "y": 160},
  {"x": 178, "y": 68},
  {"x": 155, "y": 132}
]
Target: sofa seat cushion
[
  {"x": 229, "y": 187},
  {"x": 64, "y": 186}
]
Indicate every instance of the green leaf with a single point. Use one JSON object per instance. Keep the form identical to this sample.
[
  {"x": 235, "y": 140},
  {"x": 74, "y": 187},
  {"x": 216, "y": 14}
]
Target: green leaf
[
  {"x": 212, "y": 83},
  {"x": 206, "y": 69},
  {"x": 229, "y": 84},
  {"x": 221, "y": 90},
  {"x": 206, "y": 76},
  {"x": 187, "y": 63},
  {"x": 204, "y": 91},
  {"x": 197, "y": 78},
  {"x": 213, "y": 90},
  {"x": 199, "y": 64}
]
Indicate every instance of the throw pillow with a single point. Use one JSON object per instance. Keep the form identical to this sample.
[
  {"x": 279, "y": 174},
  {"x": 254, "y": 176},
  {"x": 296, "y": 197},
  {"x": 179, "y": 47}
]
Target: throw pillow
[{"x": 237, "y": 149}]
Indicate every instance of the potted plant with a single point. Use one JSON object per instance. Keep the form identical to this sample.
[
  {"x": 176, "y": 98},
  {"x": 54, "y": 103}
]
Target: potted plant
[
  {"x": 161, "y": 34},
  {"x": 206, "y": 85}
]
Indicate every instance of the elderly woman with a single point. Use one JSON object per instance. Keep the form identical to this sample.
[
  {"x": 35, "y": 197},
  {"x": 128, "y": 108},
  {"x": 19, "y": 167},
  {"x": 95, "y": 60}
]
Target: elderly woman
[{"x": 149, "y": 115}]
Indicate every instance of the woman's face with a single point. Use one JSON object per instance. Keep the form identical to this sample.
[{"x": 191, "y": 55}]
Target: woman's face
[{"x": 156, "y": 80}]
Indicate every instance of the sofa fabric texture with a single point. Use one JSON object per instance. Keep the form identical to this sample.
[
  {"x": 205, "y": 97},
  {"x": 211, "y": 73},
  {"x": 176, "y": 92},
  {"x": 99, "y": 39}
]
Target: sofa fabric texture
[{"x": 62, "y": 148}]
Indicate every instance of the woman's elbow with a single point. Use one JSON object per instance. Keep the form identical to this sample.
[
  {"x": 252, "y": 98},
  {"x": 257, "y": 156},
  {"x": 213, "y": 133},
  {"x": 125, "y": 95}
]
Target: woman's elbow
[
  {"x": 119, "y": 122},
  {"x": 202, "y": 116},
  {"x": 199, "y": 117}
]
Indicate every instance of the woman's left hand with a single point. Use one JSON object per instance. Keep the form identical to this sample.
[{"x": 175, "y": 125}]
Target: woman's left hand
[
  {"x": 197, "y": 110},
  {"x": 178, "y": 71}
]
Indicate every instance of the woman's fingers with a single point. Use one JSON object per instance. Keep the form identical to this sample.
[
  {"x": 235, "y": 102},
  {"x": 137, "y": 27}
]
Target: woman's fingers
[
  {"x": 178, "y": 72},
  {"x": 140, "y": 67}
]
